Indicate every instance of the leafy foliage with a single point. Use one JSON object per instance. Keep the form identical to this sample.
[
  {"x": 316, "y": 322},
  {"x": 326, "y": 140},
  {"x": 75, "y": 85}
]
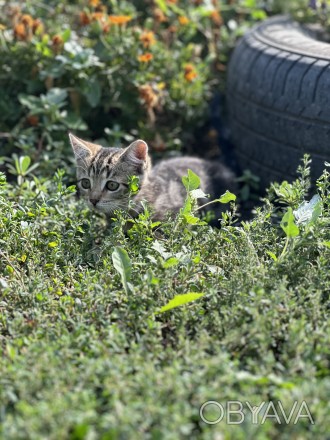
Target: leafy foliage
[
  {"x": 111, "y": 71},
  {"x": 112, "y": 335},
  {"x": 79, "y": 358}
]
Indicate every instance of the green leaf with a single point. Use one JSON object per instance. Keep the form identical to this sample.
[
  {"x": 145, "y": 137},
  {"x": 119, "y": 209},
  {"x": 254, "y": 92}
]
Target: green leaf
[
  {"x": 192, "y": 220},
  {"x": 308, "y": 212},
  {"x": 133, "y": 183},
  {"x": 259, "y": 14},
  {"x": 29, "y": 101},
  {"x": 157, "y": 246},
  {"x": 162, "y": 5},
  {"x": 123, "y": 266},
  {"x": 71, "y": 189},
  {"x": 24, "y": 163},
  {"x": 250, "y": 4},
  {"x": 227, "y": 197},
  {"x": 53, "y": 244},
  {"x": 191, "y": 181},
  {"x": 9, "y": 270},
  {"x": 317, "y": 211},
  {"x": 11, "y": 352},
  {"x": 288, "y": 225},
  {"x": 173, "y": 261},
  {"x": 3, "y": 180},
  {"x": 180, "y": 300},
  {"x": 272, "y": 255},
  {"x": 66, "y": 35},
  {"x": 74, "y": 122},
  {"x": 56, "y": 96},
  {"x": 187, "y": 207}
]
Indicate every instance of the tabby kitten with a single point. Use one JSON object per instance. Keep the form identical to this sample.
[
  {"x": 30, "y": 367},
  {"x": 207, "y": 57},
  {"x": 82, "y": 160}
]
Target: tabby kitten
[{"x": 103, "y": 174}]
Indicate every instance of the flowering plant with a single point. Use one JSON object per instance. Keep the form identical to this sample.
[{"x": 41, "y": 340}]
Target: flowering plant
[{"x": 111, "y": 70}]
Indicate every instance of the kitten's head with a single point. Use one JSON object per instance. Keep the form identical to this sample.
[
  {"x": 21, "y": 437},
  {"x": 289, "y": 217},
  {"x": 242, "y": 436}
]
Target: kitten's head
[{"x": 103, "y": 173}]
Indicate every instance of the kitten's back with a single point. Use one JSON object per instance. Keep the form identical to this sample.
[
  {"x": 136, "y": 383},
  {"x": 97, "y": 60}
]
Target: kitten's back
[{"x": 164, "y": 188}]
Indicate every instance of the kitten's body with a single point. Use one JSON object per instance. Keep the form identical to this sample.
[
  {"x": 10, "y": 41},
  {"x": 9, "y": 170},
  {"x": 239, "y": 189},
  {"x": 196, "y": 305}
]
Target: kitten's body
[
  {"x": 164, "y": 190},
  {"x": 107, "y": 170}
]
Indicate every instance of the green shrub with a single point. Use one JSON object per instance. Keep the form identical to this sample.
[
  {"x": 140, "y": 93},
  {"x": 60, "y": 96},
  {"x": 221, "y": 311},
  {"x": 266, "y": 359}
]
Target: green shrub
[{"x": 88, "y": 349}]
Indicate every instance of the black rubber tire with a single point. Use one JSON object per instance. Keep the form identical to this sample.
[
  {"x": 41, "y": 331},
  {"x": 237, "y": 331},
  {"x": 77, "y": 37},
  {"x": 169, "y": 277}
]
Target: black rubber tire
[{"x": 279, "y": 100}]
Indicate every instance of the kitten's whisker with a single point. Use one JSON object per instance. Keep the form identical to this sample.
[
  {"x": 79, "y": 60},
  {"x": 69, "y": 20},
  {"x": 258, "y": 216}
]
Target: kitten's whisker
[{"x": 131, "y": 209}]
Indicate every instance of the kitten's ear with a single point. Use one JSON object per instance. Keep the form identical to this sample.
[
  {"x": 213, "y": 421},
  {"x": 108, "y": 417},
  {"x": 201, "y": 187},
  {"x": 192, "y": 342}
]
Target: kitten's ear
[
  {"x": 83, "y": 149},
  {"x": 137, "y": 151}
]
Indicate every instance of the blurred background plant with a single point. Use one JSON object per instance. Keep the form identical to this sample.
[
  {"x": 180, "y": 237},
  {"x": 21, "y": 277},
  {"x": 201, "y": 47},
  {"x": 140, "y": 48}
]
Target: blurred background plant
[{"x": 114, "y": 70}]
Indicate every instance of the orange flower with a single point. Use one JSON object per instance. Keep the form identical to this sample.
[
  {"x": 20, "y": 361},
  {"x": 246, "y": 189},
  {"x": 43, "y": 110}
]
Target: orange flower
[
  {"x": 119, "y": 19},
  {"x": 183, "y": 20},
  {"x": 148, "y": 96},
  {"x": 37, "y": 26},
  {"x": 58, "y": 43},
  {"x": 216, "y": 18},
  {"x": 84, "y": 18},
  {"x": 188, "y": 68},
  {"x": 94, "y": 3},
  {"x": 57, "y": 40},
  {"x": 173, "y": 2},
  {"x": 27, "y": 20},
  {"x": 159, "y": 15},
  {"x": 189, "y": 72},
  {"x": 19, "y": 31},
  {"x": 147, "y": 38},
  {"x": 145, "y": 58},
  {"x": 190, "y": 76}
]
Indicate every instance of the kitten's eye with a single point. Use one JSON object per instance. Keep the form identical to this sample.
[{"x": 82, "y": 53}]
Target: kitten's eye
[
  {"x": 111, "y": 185},
  {"x": 85, "y": 183}
]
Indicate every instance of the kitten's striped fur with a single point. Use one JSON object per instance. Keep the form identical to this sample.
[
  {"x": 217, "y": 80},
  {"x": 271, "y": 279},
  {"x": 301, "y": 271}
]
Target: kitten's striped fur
[{"x": 108, "y": 170}]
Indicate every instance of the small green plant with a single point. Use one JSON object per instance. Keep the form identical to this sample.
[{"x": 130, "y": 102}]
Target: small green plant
[
  {"x": 188, "y": 213},
  {"x": 21, "y": 167}
]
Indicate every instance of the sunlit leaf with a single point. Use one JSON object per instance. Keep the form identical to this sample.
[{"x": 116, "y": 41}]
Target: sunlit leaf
[
  {"x": 227, "y": 197},
  {"x": 288, "y": 225},
  {"x": 123, "y": 266},
  {"x": 170, "y": 262},
  {"x": 191, "y": 181},
  {"x": 24, "y": 163},
  {"x": 198, "y": 194},
  {"x": 308, "y": 212},
  {"x": 192, "y": 220},
  {"x": 180, "y": 300},
  {"x": 272, "y": 255}
]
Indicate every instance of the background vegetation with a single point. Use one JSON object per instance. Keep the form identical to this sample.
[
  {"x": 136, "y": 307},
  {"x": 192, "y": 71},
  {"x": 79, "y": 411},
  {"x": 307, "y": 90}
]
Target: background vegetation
[
  {"x": 111, "y": 71},
  {"x": 87, "y": 349}
]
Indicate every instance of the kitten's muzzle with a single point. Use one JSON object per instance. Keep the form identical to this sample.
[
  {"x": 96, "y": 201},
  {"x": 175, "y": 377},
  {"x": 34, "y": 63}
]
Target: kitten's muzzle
[{"x": 94, "y": 201}]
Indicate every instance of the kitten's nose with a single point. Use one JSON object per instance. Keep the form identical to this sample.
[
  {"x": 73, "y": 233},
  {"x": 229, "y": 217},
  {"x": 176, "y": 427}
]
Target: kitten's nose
[{"x": 94, "y": 201}]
